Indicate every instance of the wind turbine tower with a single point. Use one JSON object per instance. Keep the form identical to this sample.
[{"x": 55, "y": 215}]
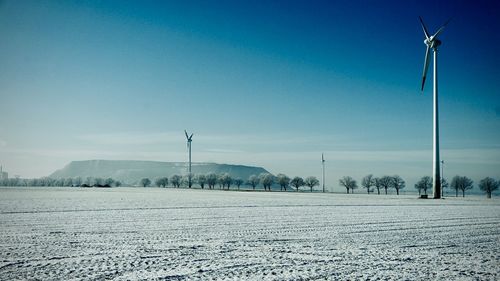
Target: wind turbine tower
[
  {"x": 433, "y": 43},
  {"x": 323, "y": 163},
  {"x": 189, "y": 140}
]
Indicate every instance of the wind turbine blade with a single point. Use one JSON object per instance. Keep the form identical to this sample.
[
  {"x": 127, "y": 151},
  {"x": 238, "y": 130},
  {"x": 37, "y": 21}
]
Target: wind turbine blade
[
  {"x": 186, "y": 134},
  {"x": 441, "y": 28},
  {"x": 191, "y": 136},
  {"x": 426, "y": 66},
  {"x": 424, "y": 28}
]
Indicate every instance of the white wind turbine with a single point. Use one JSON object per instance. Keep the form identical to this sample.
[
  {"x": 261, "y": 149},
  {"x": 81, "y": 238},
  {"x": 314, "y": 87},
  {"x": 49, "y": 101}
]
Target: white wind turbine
[
  {"x": 323, "y": 164},
  {"x": 433, "y": 43},
  {"x": 189, "y": 140}
]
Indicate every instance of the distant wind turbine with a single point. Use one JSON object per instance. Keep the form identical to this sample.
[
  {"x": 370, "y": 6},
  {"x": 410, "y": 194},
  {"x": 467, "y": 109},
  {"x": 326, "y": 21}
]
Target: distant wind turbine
[
  {"x": 189, "y": 140},
  {"x": 433, "y": 43},
  {"x": 323, "y": 163}
]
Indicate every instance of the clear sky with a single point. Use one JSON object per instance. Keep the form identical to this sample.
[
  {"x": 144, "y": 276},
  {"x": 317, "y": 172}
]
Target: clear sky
[{"x": 266, "y": 83}]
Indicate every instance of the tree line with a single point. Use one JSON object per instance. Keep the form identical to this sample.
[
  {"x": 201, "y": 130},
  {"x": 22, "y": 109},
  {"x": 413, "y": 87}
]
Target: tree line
[
  {"x": 73, "y": 182},
  {"x": 225, "y": 181},
  {"x": 371, "y": 183},
  {"x": 266, "y": 180},
  {"x": 458, "y": 183}
]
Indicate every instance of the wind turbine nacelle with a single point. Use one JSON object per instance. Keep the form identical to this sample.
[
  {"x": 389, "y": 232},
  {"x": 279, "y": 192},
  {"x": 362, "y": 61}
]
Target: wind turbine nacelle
[{"x": 433, "y": 43}]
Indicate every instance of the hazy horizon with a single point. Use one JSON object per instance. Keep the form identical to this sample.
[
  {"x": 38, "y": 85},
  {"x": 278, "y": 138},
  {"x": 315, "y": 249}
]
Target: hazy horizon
[{"x": 271, "y": 84}]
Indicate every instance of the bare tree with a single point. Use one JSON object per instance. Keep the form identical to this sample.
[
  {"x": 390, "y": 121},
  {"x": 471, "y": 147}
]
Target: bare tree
[
  {"x": 397, "y": 183},
  {"x": 145, "y": 182},
  {"x": 444, "y": 184},
  {"x": 428, "y": 185},
  {"x": 201, "y": 180},
  {"x": 158, "y": 182},
  {"x": 161, "y": 182},
  {"x": 48, "y": 181},
  {"x": 311, "y": 182},
  {"x": 297, "y": 182},
  {"x": 175, "y": 180},
  {"x": 226, "y": 180},
  {"x": 211, "y": 180},
  {"x": 349, "y": 183},
  {"x": 59, "y": 182},
  {"x": 488, "y": 185},
  {"x": 455, "y": 184},
  {"x": 77, "y": 181},
  {"x": 467, "y": 184},
  {"x": 385, "y": 182},
  {"x": 367, "y": 182},
  {"x": 238, "y": 182},
  {"x": 423, "y": 184},
  {"x": 220, "y": 181},
  {"x": 89, "y": 181},
  {"x": 68, "y": 182},
  {"x": 98, "y": 182},
  {"x": 109, "y": 182},
  {"x": 253, "y": 180},
  {"x": 184, "y": 181},
  {"x": 377, "y": 184},
  {"x": 266, "y": 180},
  {"x": 283, "y": 181},
  {"x": 461, "y": 183}
]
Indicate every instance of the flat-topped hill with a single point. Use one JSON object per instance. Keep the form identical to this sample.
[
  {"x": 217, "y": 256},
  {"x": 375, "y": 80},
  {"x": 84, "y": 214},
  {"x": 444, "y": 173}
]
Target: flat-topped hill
[{"x": 131, "y": 171}]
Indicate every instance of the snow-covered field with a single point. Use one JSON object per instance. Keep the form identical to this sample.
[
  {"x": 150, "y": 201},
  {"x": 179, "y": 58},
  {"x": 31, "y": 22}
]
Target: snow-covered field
[{"x": 169, "y": 234}]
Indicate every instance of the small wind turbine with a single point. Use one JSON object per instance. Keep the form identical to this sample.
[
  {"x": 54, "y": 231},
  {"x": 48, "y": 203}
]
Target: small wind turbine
[
  {"x": 442, "y": 178},
  {"x": 323, "y": 163},
  {"x": 433, "y": 43},
  {"x": 189, "y": 140}
]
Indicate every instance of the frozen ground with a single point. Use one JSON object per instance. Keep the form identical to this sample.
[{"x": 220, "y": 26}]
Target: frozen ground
[{"x": 168, "y": 234}]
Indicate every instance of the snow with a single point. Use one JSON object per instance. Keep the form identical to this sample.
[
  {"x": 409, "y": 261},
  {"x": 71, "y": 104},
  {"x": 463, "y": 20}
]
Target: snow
[{"x": 180, "y": 234}]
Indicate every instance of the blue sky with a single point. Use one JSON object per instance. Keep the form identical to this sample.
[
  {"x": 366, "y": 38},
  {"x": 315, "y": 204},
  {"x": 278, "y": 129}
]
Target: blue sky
[{"x": 271, "y": 83}]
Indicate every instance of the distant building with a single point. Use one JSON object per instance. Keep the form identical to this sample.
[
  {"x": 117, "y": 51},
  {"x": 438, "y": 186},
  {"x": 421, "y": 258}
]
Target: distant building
[{"x": 3, "y": 175}]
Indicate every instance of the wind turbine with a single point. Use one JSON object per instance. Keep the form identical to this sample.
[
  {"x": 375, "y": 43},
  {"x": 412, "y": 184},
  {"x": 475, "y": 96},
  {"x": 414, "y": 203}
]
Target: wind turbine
[
  {"x": 323, "y": 163},
  {"x": 189, "y": 140},
  {"x": 433, "y": 43}
]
